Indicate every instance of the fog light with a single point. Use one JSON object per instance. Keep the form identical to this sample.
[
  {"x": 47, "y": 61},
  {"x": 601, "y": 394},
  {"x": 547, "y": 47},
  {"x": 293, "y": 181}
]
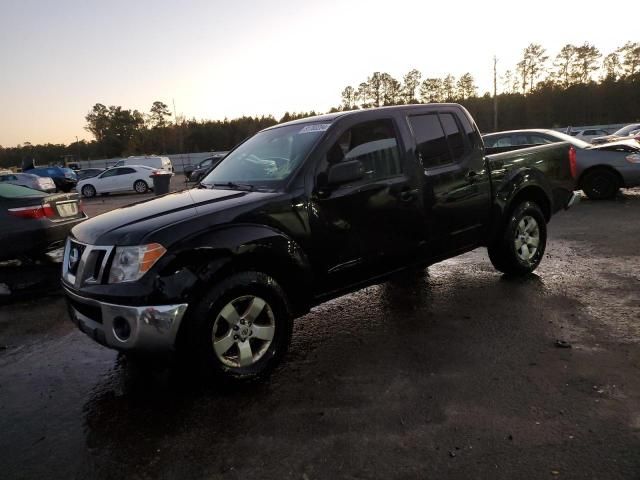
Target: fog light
[{"x": 121, "y": 329}]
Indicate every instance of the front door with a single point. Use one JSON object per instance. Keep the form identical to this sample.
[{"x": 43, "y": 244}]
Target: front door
[
  {"x": 456, "y": 182},
  {"x": 105, "y": 182},
  {"x": 371, "y": 225}
]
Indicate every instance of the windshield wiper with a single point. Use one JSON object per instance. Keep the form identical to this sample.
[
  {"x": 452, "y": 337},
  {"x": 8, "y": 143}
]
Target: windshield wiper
[{"x": 234, "y": 185}]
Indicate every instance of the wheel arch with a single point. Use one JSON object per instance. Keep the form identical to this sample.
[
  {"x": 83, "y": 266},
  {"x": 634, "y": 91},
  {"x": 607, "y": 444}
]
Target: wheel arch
[
  {"x": 607, "y": 168},
  {"x": 533, "y": 193},
  {"x": 526, "y": 184},
  {"x": 203, "y": 261}
]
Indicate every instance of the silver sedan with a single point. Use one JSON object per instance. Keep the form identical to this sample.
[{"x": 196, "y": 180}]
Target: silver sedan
[
  {"x": 44, "y": 184},
  {"x": 600, "y": 170}
]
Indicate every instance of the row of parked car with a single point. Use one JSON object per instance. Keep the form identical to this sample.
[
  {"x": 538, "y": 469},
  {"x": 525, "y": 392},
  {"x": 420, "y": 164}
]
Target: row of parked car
[
  {"x": 603, "y": 167},
  {"x": 600, "y": 169},
  {"x": 598, "y": 136}
]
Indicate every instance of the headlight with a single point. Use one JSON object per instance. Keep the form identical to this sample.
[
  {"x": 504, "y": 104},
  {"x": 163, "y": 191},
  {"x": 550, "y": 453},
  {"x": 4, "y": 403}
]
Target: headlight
[
  {"x": 633, "y": 158},
  {"x": 131, "y": 263}
]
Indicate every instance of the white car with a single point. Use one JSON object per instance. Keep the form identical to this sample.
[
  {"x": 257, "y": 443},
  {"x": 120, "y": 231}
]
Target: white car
[
  {"x": 132, "y": 178},
  {"x": 159, "y": 163},
  {"x": 589, "y": 134}
]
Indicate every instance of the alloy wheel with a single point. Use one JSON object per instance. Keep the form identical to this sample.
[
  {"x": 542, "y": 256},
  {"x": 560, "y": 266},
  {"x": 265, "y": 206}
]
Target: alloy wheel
[{"x": 243, "y": 331}]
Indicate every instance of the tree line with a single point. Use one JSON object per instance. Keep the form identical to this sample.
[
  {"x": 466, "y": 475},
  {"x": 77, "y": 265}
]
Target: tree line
[{"x": 578, "y": 86}]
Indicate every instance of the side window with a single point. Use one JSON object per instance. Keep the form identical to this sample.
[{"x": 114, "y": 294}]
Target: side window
[
  {"x": 470, "y": 131},
  {"x": 110, "y": 173},
  {"x": 520, "y": 140},
  {"x": 126, "y": 171},
  {"x": 504, "y": 142},
  {"x": 538, "y": 140},
  {"x": 374, "y": 144},
  {"x": 490, "y": 142},
  {"x": 4, "y": 178},
  {"x": 454, "y": 135},
  {"x": 431, "y": 142}
]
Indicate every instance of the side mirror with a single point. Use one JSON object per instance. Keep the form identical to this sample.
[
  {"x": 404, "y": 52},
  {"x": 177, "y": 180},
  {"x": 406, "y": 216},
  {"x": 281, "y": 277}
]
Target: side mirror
[{"x": 345, "y": 172}]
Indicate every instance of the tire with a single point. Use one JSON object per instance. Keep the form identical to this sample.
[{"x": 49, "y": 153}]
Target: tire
[
  {"x": 227, "y": 349},
  {"x": 88, "y": 191},
  {"x": 140, "y": 186},
  {"x": 600, "y": 184},
  {"x": 520, "y": 248}
]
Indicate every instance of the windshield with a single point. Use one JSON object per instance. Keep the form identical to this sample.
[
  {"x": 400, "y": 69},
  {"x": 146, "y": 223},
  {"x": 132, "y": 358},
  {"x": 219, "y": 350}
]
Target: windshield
[
  {"x": 624, "y": 131},
  {"x": 268, "y": 158}
]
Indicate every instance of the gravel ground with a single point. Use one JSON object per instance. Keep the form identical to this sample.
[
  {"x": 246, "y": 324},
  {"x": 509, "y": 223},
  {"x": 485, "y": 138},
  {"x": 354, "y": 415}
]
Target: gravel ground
[{"x": 452, "y": 373}]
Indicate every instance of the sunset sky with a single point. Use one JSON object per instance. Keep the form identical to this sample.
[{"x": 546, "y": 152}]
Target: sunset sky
[{"x": 230, "y": 58}]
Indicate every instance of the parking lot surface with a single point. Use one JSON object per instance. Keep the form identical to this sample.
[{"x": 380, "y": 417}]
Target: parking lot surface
[{"x": 456, "y": 372}]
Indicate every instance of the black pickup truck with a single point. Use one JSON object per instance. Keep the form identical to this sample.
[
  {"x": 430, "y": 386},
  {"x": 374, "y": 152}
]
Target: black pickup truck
[{"x": 301, "y": 213}]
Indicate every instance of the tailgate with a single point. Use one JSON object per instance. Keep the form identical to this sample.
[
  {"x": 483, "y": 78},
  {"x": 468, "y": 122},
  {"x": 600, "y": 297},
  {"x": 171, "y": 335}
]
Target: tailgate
[{"x": 64, "y": 206}]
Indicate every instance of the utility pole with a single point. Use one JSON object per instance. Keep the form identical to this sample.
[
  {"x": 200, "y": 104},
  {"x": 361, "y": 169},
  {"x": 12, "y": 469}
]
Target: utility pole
[
  {"x": 495, "y": 93},
  {"x": 179, "y": 128}
]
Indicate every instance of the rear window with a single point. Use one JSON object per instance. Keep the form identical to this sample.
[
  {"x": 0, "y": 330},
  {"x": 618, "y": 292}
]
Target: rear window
[
  {"x": 8, "y": 190},
  {"x": 431, "y": 142},
  {"x": 454, "y": 135}
]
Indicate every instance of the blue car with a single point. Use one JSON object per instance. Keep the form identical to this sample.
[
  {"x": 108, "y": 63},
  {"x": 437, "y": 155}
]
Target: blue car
[{"x": 64, "y": 178}]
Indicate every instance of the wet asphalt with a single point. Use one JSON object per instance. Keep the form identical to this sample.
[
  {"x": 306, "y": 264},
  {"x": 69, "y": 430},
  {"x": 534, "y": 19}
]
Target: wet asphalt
[{"x": 454, "y": 372}]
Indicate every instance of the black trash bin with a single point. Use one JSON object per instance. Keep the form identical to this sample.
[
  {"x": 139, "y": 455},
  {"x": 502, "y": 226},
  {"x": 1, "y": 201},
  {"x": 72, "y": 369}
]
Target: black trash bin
[{"x": 161, "y": 181}]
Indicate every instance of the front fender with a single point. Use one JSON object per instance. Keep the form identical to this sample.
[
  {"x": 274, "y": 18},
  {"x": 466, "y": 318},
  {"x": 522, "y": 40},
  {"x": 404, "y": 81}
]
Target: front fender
[{"x": 199, "y": 262}]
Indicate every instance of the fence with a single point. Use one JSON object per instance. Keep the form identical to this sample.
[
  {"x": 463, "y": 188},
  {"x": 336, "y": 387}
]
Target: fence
[{"x": 179, "y": 161}]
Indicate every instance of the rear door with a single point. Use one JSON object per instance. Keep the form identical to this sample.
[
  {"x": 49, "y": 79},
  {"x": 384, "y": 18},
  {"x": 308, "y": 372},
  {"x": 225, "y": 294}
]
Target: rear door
[
  {"x": 124, "y": 179},
  {"x": 456, "y": 183}
]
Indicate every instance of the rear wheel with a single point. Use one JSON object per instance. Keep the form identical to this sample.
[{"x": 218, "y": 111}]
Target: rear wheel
[
  {"x": 600, "y": 184},
  {"x": 88, "y": 191},
  {"x": 242, "y": 328},
  {"x": 521, "y": 247},
  {"x": 140, "y": 186}
]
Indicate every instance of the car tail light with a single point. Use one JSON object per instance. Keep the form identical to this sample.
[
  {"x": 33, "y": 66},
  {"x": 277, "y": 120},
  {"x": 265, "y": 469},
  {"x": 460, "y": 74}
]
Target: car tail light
[
  {"x": 39, "y": 211},
  {"x": 573, "y": 164}
]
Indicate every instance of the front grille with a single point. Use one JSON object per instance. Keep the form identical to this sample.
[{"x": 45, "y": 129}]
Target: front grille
[
  {"x": 84, "y": 264},
  {"x": 92, "y": 312}
]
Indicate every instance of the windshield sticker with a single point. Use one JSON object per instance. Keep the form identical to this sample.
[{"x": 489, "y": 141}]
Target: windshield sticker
[{"x": 316, "y": 127}]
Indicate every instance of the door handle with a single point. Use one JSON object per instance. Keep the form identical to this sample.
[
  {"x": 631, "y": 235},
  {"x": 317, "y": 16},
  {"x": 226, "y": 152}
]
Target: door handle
[{"x": 471, "y": 176}]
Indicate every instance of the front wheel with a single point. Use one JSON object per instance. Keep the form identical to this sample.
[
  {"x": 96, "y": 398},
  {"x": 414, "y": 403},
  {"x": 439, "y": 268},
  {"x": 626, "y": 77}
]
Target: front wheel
[
  {"x": 521, "y": 247},
  {"x": 242, "y": 328},
  {"x": 88, "y": 191}
]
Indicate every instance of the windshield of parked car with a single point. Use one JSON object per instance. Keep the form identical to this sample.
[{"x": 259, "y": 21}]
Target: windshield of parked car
[
  {"x": 268, "y": 158},
  {"x": 624, "y": 131}
]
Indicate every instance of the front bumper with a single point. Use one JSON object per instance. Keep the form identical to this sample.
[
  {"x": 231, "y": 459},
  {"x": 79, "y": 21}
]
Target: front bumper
[{"x": 122, "y": 327}]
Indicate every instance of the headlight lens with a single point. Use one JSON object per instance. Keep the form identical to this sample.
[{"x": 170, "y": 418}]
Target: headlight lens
[
  {"x": 633, "y": 158},
  {"x": 131, "y": 263}
]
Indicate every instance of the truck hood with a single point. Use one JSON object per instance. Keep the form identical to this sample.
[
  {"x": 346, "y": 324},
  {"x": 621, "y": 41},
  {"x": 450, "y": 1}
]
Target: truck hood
[{"x": 129, "y": 225}]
